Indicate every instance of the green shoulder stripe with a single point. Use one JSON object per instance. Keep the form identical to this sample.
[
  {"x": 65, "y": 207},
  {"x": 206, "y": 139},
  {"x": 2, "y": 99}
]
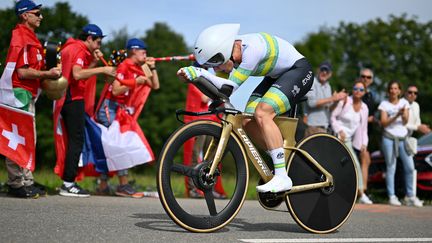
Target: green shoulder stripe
[{"x": 269, "y": 61}]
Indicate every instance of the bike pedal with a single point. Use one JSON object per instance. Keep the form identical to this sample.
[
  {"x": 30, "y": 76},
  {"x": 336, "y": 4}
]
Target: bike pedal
[{"x": 271, "y": 195}]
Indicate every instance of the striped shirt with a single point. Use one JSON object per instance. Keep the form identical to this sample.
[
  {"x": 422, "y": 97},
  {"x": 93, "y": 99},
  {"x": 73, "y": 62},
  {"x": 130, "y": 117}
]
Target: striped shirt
[{"x": 264, "y": 55}]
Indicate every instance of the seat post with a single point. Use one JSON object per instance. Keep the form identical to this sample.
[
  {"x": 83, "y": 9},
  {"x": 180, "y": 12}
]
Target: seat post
[{"x": 293, "y": 111}]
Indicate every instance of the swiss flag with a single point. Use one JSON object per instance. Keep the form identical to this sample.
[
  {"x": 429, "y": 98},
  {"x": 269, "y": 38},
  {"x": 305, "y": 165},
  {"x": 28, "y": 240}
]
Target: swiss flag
[{"x": 17, "y": 138}]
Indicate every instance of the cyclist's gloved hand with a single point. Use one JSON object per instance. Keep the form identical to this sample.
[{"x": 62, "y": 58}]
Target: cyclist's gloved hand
[{"x": 190, "y": 73}]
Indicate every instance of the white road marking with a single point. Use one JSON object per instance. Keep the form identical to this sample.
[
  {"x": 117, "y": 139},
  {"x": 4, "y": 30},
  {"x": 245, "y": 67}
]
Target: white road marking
[{"x": 330, "y": 240}]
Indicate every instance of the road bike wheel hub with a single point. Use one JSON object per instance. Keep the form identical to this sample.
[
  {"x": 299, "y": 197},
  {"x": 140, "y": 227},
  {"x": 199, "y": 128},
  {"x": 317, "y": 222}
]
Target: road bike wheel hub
[
  {"x": 203, "y": 181},
  {"x": 329, "y": 189}
]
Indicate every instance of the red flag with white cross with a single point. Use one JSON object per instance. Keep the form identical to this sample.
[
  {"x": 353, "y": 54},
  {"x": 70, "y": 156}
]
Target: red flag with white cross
[{"x": 17, "y": 138}]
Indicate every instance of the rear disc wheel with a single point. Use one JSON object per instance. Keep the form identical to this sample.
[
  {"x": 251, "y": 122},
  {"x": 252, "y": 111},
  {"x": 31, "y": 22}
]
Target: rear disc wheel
[{"x": 322, "y": 210}]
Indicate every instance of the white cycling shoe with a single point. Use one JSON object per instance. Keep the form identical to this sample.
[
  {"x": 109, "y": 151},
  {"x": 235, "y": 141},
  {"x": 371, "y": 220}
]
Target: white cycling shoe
[{"x": 276, "y": 184}]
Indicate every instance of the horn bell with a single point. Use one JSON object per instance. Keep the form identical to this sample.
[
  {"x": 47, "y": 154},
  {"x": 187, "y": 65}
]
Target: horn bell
[{"x": 55, "y": 88}]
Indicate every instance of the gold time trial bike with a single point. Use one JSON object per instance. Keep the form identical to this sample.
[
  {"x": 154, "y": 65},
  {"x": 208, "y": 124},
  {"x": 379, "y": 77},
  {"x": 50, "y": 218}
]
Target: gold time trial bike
[{"x": 321, "y": 168}]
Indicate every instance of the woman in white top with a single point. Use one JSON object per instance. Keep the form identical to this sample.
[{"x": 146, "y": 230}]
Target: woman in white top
[
  {"x": 349, "y": 121},
  {"x": 394, "y": 116}
]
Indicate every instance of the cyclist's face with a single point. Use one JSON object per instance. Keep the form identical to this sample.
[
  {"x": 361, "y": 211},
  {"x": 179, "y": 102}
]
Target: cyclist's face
[{"x": 226, "y": 67}]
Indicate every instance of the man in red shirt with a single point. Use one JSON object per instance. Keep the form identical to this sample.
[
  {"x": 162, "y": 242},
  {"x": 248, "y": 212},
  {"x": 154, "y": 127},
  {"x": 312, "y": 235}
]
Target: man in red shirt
[
  {"x": 130, "y": 79},
  {"x": 79, "y": 60},
  {"x": 20, "y": 84}
]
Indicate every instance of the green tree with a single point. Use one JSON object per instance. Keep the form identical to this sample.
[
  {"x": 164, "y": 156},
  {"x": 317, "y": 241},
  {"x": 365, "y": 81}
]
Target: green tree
[
  {"x": 398, "y": 48},
  {"x": 395, "y": 49},
  {"x": 8, "y": 20}
]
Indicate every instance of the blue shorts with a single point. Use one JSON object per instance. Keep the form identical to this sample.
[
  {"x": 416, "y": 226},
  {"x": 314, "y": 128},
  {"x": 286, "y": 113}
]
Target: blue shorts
[{"x": 107, "y": 112}]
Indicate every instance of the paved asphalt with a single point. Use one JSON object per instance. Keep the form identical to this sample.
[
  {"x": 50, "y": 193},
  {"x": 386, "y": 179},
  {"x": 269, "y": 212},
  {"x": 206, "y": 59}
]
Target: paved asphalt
[{"x": 114, "y": 219}]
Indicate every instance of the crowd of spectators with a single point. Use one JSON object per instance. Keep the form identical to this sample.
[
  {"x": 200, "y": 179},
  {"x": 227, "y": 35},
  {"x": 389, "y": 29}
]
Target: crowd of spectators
[{"x": 350, "y": 116}]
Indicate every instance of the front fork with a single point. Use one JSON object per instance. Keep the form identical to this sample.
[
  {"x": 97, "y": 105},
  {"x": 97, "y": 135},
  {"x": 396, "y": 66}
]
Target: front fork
[{"x": 221, "y": 145}]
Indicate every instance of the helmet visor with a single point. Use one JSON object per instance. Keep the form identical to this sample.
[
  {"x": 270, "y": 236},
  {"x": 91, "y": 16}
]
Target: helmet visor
[{"x": 215, "y": 61}]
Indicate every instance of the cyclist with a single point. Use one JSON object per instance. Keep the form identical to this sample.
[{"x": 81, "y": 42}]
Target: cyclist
[{"x": 287, "y": 77}]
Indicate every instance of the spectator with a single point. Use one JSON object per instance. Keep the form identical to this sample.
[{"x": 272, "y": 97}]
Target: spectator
[
  {"x": 349, "y": 122},
  {"x": 394, "y": 116},
  {"x": 26, "y": 52},
  {"x": 129, "y": 74},
  {"x": 414, "y": 122},
  {"x": 196, "y": 101},
  {"x": 367, "y": 77},
  {"x": 79, "y": 58},
  {"x": 320, "y": 101}
]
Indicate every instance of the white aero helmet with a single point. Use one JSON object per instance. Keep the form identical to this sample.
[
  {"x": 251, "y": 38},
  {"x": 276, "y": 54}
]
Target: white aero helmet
[{"x": 214, "y": 45}]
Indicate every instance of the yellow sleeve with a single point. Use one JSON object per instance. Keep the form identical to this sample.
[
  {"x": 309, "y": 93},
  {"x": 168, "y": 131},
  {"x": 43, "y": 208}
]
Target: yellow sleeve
[
  {"x": 239, "y": 75},
  {"x": 221, "y": 74}
]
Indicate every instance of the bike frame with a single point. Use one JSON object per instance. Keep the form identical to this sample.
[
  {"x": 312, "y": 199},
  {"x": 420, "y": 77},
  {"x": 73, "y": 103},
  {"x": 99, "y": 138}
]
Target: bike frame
[{"x": 233, "y": 124}]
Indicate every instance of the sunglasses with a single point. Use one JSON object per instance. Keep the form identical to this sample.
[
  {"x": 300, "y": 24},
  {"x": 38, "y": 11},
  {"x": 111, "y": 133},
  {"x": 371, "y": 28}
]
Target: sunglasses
[
  {"x": 37, "y": 14},
  {"x": 412, "y": 92},
  {"x": 364, "y": 76},
  {"x": 358, "y": 89}
]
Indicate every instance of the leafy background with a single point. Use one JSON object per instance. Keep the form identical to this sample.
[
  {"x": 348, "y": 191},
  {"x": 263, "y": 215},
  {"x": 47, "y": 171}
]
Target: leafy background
[{"x": 398, "y": 47}]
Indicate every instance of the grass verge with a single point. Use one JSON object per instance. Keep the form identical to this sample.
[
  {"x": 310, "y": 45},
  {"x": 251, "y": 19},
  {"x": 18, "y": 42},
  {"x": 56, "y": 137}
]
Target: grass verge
[
  {"x": 142, "y": 181},
  {"x": 145, "y": 180}
]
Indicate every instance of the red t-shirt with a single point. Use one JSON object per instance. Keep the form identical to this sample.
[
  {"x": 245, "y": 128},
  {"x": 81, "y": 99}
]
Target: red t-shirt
[
  {"x": 27, "y": 51},
  {"x": 126, "y": 70},
  {"x": 74, "y": 53}
]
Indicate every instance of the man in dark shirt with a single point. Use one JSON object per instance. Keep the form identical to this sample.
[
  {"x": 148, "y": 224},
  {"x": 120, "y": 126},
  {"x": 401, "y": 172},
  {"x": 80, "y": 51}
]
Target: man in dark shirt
[{"x": 366, "y": 76}]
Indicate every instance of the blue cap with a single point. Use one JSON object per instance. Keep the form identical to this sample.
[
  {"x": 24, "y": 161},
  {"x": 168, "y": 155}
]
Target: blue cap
[
  {"x": 135, "y": 43},
  {"x": 93, "y": 30},
  {"x": 325, "y": 66},
  {"x": 24, "y": 6}
]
